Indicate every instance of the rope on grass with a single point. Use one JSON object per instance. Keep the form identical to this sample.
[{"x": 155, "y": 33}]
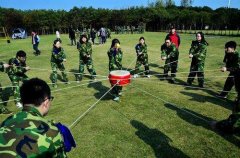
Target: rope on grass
[
  {"x": 78, "y": 85},
  {"x": 173, "y": 105},
  {"x": 193, "y": 87},
  {"x": 69, "y": 72},
  {"x": 91, "y": 107}
]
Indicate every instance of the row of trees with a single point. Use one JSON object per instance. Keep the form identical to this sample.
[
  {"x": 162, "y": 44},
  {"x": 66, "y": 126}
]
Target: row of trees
[{"x": 156, "y": 16}]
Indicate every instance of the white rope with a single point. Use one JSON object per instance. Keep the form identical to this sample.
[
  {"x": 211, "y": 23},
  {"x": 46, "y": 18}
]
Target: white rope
[
  {"x": 68, "y": 72},
  {"x": 8, "y": 101},
  {"x": 78, "y": 85},
  {"x": 91, "y": 107},
  {"x": 147, "y": 79},
  {"x": 7, "y": 87}
]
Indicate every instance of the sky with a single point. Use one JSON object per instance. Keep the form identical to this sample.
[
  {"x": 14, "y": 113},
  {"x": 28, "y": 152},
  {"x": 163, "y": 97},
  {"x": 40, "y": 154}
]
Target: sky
[{"x": 110, "y": 4}]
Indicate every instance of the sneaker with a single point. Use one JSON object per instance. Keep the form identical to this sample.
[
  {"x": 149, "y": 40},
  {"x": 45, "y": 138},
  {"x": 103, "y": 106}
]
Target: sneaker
[
  {"x": 120, "y": 93},
  {"x": 221, "y": 96},
  {"x": 116, "y": 99},
  {"x": 135, "y": 76},
  {"x": 148, "y": 76},
  {"x": 5, "y": 111},
  {"x": 19, "y": 105}
]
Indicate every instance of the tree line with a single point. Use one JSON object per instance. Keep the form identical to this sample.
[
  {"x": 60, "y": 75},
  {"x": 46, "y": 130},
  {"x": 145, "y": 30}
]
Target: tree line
[{"x": 156, "y": 16}]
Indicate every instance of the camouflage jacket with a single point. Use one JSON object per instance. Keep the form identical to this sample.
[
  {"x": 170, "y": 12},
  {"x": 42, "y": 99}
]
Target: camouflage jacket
[
  {"x": 170, "y": 52},
  {"x": 141, "y": 49},
  {"x": 198, "y": 50},
  {"x": 85, "y": 50},
  {"x": 58, "y": 55},
  {"x": 28, "y": 134},
  {"x": 1, "y": 67},
  {"x": 16, "y": 67},
  {"x": 115, "y": 59},
  {"x": 232, "y": 61}
]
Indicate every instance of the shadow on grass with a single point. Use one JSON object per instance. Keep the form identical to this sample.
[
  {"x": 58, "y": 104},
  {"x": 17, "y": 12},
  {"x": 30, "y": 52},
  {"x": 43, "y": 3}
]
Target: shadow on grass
[
  {"x": 159, "y": 142},
  {"x": 200, "y": 120},
  {"x": 153, "y": 65},
  {"x": 101, "y": 90},
  {"x": 201, "y": 98}
]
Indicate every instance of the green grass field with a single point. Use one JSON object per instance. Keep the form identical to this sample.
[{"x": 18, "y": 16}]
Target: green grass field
[{"x": 152, "y": 119}]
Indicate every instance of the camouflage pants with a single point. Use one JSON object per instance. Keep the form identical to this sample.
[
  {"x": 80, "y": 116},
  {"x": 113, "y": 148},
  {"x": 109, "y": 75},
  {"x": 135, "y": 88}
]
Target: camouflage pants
[
  {"x": 90, "y": 68},
  {"x": 141, "y": 62},
  {"x": 15, "y": 82},
  {"x": 196, "y": 69},
  {"x": 170, "y": 65},
  {"x": 61, "y": 67}
]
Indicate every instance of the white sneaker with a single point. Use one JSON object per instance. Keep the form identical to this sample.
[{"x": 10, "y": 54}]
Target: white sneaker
[
  {"x": 116, "y": 99},
  {"x": 19, "y": 105},
  {"x": 135, "y": 75},
  {"x": 148, "y": 76}
]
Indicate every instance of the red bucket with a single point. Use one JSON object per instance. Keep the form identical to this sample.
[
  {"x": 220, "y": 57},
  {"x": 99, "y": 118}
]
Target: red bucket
[{"x": 119, "y": 77}]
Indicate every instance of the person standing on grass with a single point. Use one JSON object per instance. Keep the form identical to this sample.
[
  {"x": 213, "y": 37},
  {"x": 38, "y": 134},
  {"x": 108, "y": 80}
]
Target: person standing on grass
[
  {"x": 231, "y": 125},
  {"x": 85, "y": 58},
  {"x": 229, "y": 61},
  {"x": 57, "y": 59},
  {"x": 170, "y": 55},
  {"x": 3, "y": 109},
  {"x": 197, "y": 53},
  {"x": 142, "y": 57},
  {"x": 72, "y": 36},
  {"x": 28, "y": 133},
  {"x": 115, "y": 55},
  {"x": 35, "y": 42},
  {"x": 93, "y": 35},
  {"x": 16, "y": 72}
]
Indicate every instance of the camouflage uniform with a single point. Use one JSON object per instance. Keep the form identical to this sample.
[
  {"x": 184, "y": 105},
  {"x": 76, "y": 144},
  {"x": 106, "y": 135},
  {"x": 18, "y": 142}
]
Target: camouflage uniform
[
  {"x": 16, "y": 73},
  {"x": 57, "y": 59},
  {"x": 85, "y": 50},
  {"x": 198, "y": 50},
  {"x": 28, "y": 134},
  {"x": 142, "y": 59},
  {"x": 171, "y": 53},
  {"x": 2, "y": 107},
  {"x": 115, "y": 63}
]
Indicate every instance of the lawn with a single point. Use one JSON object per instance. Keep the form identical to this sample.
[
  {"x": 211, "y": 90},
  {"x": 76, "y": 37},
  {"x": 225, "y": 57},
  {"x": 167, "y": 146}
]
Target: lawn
[{"x": 153, "y": 118}]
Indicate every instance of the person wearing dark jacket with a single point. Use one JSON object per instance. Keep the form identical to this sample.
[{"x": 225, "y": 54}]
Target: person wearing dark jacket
[
  {"x": 72, "y": 36},
  {"x": 175, "y": 38},
  {"x": 229, "y": 83}
]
